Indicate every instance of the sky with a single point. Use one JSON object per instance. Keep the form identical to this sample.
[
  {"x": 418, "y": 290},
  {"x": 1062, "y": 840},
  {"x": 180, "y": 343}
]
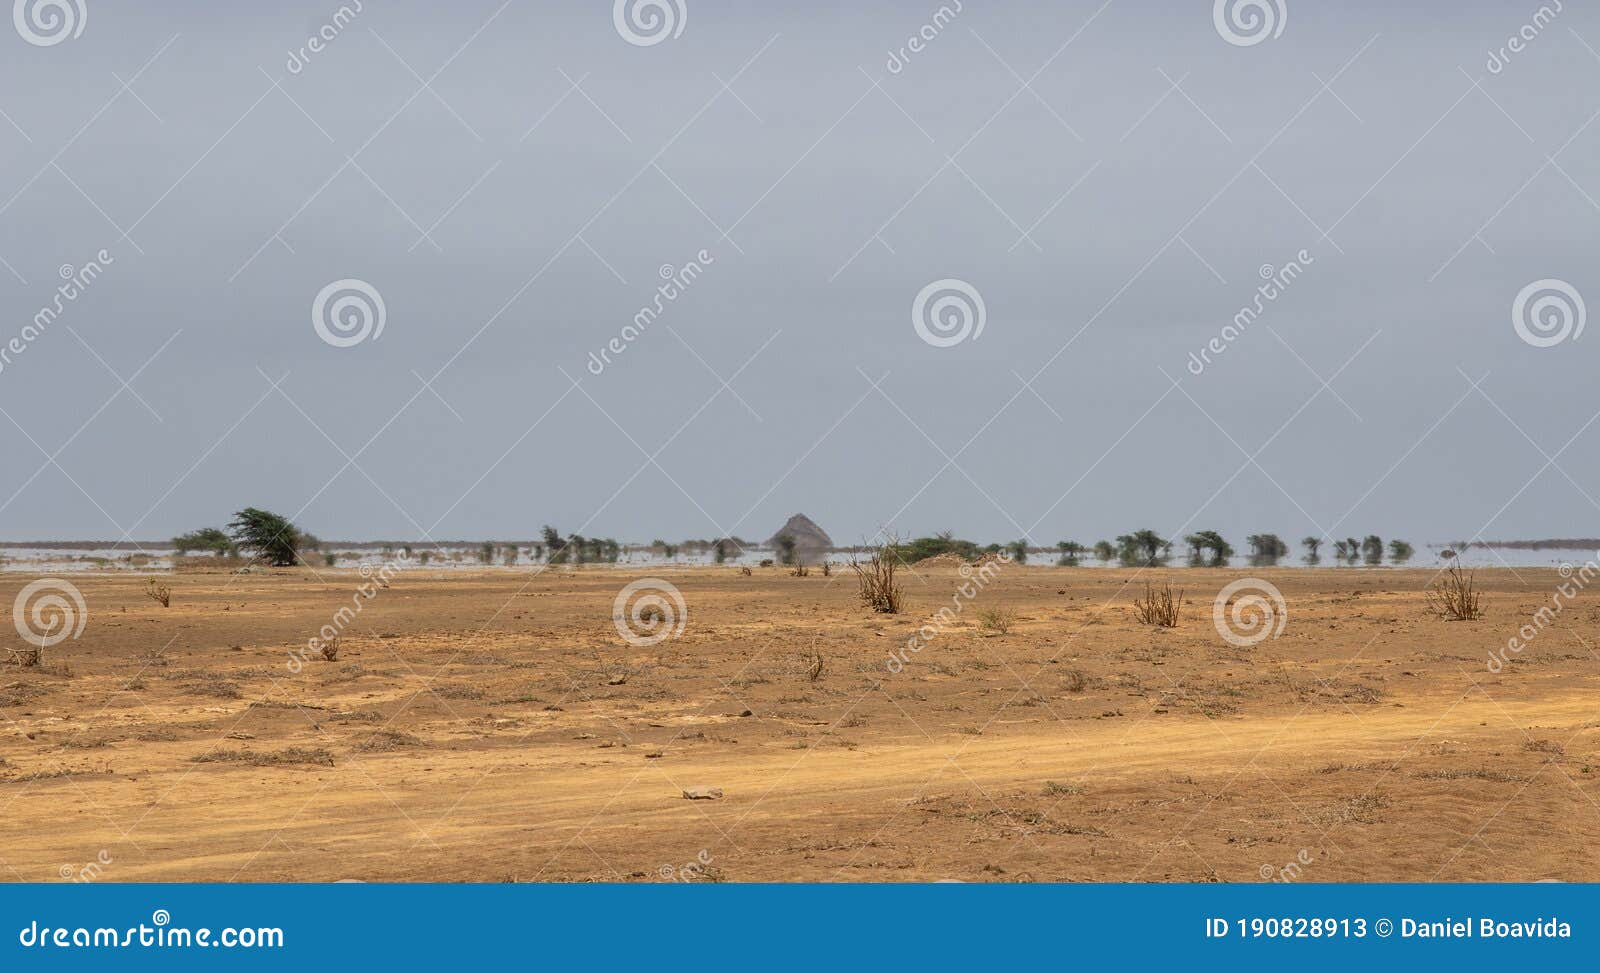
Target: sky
[{"x": 811, "y": 207}]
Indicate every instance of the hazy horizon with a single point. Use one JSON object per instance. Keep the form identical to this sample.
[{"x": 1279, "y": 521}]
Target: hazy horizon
[{"x": 799, "y": 178}]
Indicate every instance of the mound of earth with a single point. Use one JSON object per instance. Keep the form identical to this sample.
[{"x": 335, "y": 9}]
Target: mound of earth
[
  {"x": 808, "y": 537},
  {"x": 938, "y": 560}
]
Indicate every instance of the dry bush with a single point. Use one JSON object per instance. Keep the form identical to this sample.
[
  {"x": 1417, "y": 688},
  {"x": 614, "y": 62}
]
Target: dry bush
[
  {"x": 827, "y": 570},
  {"x": 878, "y": 589},
  {"x": 1454, "y": 597},
  {"x": 995, "y": 621},
  {"x": 816, "y": 666},
  {"x": 158, "y": 593},
  {"x": 745, "y": 571},
  {"x": 801, "y": 571},
  {"x": 27, "y": 658},
  {"x": 262, "y": 758},
  {"x": 1159, "y": 606},
  {"x": 330, "y": 649}
]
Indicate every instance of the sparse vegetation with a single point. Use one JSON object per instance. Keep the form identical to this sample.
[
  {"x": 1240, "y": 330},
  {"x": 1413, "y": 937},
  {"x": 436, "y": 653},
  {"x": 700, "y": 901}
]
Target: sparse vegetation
[
  {"x": 1071, "y": 553},
  {"x": 1159, "y": 606},
  {"x": 210, "y": 540},
  {"x": 1312, "y": 545},
  {"x": 995, "y": 621},
  {"x": 158, "y": 593},
  {"x": 878, "y": 588},
  {"x": 1454, "y": 596},
  {"x": 1266, "y": 549}
]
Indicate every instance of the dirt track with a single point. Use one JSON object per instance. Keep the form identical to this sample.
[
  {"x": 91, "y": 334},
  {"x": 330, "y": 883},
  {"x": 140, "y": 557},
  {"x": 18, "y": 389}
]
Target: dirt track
[{"x": 1367, "y": 742}]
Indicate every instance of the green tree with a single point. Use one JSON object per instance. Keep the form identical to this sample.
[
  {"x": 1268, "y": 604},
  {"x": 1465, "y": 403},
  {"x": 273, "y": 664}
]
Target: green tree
[
  {"x": 1104, "y": 550},
  {"x": 1018, "y": 551},
  {"x": 213, "y": 540},
  {"x": 1208, "y": 547},
  {"x": 784, "y": 544},
  {"x": 1142, "y": 547},
  {"x": 1071, "y": 552},
  {"x": 1311, "y": 544},
  {"x": 268, "y": 537},
  {"x": 1400, "y": 552},
  {"x": 1372, "y": 549}
]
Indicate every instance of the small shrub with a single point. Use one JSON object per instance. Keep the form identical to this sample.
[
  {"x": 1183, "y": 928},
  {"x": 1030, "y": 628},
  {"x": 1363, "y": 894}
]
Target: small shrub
[
  {"x": 1159, "y": 606},
  {"x": 827, "y": 570},
  {"x": 330, "y": 649},
  {"x": 816, "y": 666},
  {"x": 878, "y": 589},
  {"x": 1454, "y": 596},
  {"x": 745, "y": 571},
  {"x": 996, "y": 622},
  {"x": 158, "y": 593}
]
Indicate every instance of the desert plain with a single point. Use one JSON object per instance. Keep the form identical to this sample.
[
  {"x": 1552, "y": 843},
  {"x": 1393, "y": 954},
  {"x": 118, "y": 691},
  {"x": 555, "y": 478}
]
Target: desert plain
[{"x": 492, "y": 726}]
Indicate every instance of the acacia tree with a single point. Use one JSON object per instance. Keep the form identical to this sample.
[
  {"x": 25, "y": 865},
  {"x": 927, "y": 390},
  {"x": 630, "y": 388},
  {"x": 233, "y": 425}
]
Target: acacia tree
[
  {"x": 1372, "y": 549},
  {"x": 1208, "y": 542},
  {"x": 785, "y": 546},
  {"x": 1104, "y": 550},
  {"x": 1311, "y": 544},
  {"x": 269, "y": 537},
  {"x": 1143, "y": 546},
  {"x": 1266, "y": 549},
  {"x": 1018, "y": 551},
  {"x": 1400, "y": 552},
  {"x": 1071, "y": 551}
]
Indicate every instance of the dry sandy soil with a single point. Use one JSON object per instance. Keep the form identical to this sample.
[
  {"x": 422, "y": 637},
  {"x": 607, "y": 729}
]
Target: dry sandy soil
[{"x": 493, "y": 727}]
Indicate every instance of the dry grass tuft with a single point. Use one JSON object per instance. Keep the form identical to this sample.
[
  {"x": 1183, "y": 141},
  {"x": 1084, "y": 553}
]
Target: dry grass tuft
[
  {"x": 1159, "y": 606},
  {"x": 264, "y": 758},
  {"x": 994, "y": 621},
  {"x": 816, "y": 666},
  {"x": 330, "y": 650},
  {"x": 1454, "y": 597}
]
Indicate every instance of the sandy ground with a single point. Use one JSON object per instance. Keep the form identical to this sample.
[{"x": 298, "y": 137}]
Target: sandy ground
[{"x": 494, "y": 726}]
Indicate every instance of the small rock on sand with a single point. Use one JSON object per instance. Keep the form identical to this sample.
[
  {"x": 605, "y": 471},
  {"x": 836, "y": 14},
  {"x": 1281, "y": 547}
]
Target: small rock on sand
[{"x": 702, "y": 793}]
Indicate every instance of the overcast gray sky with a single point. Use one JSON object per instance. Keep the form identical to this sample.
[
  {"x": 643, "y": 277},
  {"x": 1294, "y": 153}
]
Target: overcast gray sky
[{"x": 1111, "y": 178}]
